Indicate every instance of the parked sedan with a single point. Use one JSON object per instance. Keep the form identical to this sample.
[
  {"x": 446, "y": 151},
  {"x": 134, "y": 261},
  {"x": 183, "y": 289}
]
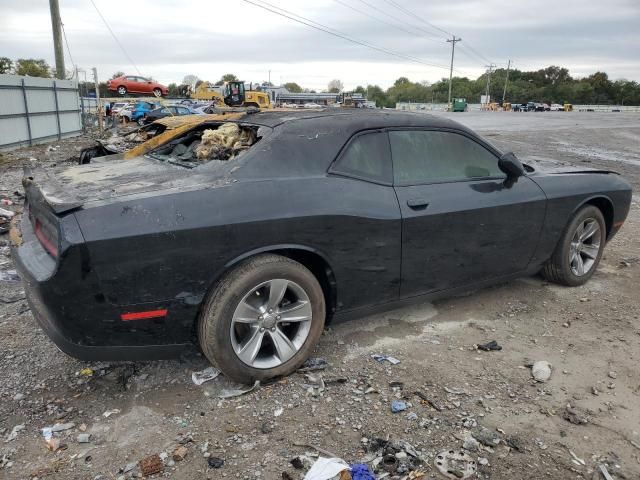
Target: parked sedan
[
  {"x": 171, "y": 110},
  {"x": 134, "y": 84},
  {"x": 309, "y": 218}
]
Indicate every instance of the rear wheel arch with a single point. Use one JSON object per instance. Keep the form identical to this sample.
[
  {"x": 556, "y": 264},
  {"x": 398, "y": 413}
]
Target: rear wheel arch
[{"x": 312, "y": 259}]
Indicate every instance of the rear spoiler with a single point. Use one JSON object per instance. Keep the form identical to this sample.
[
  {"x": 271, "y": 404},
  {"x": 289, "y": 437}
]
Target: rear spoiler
[{"x": 40, "y": 187}]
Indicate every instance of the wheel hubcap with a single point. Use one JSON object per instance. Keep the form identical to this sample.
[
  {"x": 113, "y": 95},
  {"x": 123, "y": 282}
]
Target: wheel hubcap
[
  {"x": 585, "y": 246},
  {"x": 271, "y": 323}
]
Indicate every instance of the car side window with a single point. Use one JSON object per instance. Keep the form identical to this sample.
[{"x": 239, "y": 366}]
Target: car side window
[
  {"x": 131, "y": 79},
  {"x": 367, "y": 157},
  {"x": 425, "y": 156},
  {"x": 182, "y": 111}
]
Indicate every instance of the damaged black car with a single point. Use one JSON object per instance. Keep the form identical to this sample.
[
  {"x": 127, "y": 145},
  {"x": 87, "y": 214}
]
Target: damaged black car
[{"x": 247, "y": 236}]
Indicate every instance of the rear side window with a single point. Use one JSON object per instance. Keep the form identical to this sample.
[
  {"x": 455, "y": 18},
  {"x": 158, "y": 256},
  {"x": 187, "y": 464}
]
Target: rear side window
[
  {"x": 433, "y": 156},
  {"x": 366, "y": 157}
]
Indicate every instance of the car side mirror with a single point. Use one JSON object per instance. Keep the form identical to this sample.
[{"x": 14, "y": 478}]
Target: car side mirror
[{"x": 510, "y": 165}]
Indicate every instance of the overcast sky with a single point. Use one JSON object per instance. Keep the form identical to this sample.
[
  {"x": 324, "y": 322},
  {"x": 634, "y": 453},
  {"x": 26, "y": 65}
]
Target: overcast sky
[{"x": 169, "y": 39}]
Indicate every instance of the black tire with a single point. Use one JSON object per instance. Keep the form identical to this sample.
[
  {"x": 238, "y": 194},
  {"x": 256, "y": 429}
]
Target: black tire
[
  {"x": 122, "y": 90},
  {"x": 558, "y": 268},
  {"x": 214, "y": 326},
  {"x": 140, "y": 121}
]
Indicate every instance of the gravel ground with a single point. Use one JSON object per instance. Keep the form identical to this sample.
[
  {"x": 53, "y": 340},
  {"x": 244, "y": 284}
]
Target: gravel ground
[{"x": 586, "y": 415}]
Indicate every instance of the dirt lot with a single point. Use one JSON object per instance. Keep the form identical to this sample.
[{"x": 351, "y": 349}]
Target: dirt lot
[{"x": 590, "y": 335}]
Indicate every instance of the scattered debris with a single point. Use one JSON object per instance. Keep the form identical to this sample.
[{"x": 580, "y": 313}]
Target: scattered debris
[
  {"x": 605, "y": 472},
  {"x": 9, "y": 276},
  {"x": 398, "y": 406},
  {"x": 381, "y": 358},
  {"x": 224, "y": 143},
  {"x": 6, "y": 213},
  {"x": 204, "y": 375},
  {"x": 456, "y": 464},
  {"x": 83, "y": 438},
  {"x": 215, "y": 462},
  {"x": 486, "y": 437},
  {"x": 151, "y": 465},
  {"x": 313, "y": 364},
  {"x": 86, "y": 372},
  {"x": 360, "y": 471},
  {"x": 576, "y": 460},
  {"x": 491, "y": 346},
  {"x": 314, "y": 384},
  {"x": 541, "y": 371},
  {"x": 428, "y": 400},
  {"x": 301, "y": 462},
  {"x": 573, "y": 415},
  {"x": 14, "y": 433},
  {"x": 108, "y": 413},
  {"x": 278, "y": 411},
  {"x": 326, "y": 469},
  {"x": 237, "y": 391},
  {"x": 179, "y": 453},
  {"x": 612, "y": 375}
]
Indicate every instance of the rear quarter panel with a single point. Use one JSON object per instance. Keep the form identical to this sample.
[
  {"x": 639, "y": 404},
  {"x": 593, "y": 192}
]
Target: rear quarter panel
[{"x": 174, "y": 246}]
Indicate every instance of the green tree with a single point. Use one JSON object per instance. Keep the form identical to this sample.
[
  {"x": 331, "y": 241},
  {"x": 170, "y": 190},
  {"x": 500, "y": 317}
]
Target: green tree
[
  {"x": 335, "y": 86},
  {"x": 174, "y": 90},
  {"x": 32, "y": 67},
  {"x": 227, "y": 77},
  {"x": 117, "y": 74},
  {"x": 293, "y": 87},
  {"x": 6, "y": 65}
]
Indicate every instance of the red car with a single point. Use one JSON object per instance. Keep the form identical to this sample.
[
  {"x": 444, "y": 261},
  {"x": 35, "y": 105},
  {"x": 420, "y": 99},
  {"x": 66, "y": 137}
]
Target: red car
[{"x": 133, "y": 84}]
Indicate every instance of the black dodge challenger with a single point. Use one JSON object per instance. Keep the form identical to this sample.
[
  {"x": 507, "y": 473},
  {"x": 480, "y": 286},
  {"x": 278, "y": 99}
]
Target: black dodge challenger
[{"x": 249, "y": 249}]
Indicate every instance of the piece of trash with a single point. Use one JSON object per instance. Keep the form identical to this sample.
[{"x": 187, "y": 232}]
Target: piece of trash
[
  {"x": 576, "y": 460},
  {"x": 215, "y": 462},
  {"x": 301, "y": 462},
  {"x": 360, "y": 471},
  {"x": 315, "y": 384},
  {"x": 456, "y": 464},
  {"x": 573, "y": 415},
  {"x": 204, "y": 375},
  {"x": 455, "y": 391},
  {"x": 83, "y": 437},
  {"x": 326, "y": 469},
  {"x": 278, "y": 411},
  {"x": 53, "y": 444},
  {"x": 14, "y": 433},
  {"x": 381, "y": 358},
  {"x": 9, "y": 276},
  {"x": 6, "y": 201},
  {"x": 429, "y": 401},
  {"x": 412, "y": 416},
  {"x": 313, "y": 364},
  {"x": 605, "y": 472},
  {"x": 59, "y": 427},
  {"x": 486, "y": 437},
  {"x": 491, "y": 346},
  {"x": 179, "y": 453},
  {"x": 151, "y": 465},
  {"x": 6, "y": 213},
  {"x": 541, "y": 371},
  {"x": 86, "y": 372},
  {"x": 236, "y": 392},
  {"x": 398, "y": 406},
  {"x": 108, "y": 413}
]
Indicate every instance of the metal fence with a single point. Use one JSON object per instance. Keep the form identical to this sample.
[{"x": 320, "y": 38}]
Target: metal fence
[{"x": 36, "y": 110}]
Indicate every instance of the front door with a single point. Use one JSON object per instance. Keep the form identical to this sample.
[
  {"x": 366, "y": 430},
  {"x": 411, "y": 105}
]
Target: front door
[{"x": 462, "y": 222}]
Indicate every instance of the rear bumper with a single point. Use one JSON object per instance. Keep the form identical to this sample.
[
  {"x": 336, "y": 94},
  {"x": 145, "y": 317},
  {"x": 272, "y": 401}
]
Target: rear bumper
[{"x": 70, "y": 316}]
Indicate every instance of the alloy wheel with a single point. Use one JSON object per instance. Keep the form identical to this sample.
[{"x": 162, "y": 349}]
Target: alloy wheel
[
  {"x": 122, "y": 91},
  {"x": 271, "y": 323},
  {"x": 585, "y": 247},
  {"x": 157, "y": 92}
]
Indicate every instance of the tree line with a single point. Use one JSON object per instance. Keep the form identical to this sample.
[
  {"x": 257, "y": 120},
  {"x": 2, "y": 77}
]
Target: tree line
[{"x": 552, "y": 84}]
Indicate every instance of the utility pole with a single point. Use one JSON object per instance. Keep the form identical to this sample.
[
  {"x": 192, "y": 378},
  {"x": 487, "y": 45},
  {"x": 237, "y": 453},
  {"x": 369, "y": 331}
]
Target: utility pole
[
  {"x": 269, "y": 77},
  {"x": 506, "y": 80},
  {"x": 453, "y": 41},
  {"x": 99, "y": 107},
  {"x": 57, "y": 38},
  {"x": 490, "y": 67}
]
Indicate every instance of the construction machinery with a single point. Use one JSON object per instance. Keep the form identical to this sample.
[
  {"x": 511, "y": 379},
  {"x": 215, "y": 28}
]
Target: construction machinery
[{"x": 231, "y": 94}]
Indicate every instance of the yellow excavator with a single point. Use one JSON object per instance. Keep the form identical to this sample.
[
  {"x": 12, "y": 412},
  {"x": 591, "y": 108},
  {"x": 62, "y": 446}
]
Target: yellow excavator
[{"x": 231, "y": 94}]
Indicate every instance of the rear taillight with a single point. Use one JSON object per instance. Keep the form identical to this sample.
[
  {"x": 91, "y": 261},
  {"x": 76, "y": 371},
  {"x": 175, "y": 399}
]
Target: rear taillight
[{"x": 46, "y": 233}]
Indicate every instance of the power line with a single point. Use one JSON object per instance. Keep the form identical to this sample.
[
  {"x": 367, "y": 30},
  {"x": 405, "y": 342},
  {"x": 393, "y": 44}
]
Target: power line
[
  {"x": 337, "y": 33},
  {"x": 479, "y": 55},
  {"x": 64, "y": 34},
  {"x": 400, "y": 20},
  {"x": 116, "y": 38},
  {"x": 413, "y": 15}
]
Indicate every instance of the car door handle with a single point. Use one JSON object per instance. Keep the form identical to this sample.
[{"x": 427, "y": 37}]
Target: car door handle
[{"x": 418, "y": 203}]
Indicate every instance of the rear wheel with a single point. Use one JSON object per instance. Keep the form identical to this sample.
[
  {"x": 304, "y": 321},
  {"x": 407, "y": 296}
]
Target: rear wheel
[
  {"x": 122, "y": 90},
  {"x": 157, "y": 92},
  {"x": 263, "y": 319},
  {"x": 579, "y": 251}
]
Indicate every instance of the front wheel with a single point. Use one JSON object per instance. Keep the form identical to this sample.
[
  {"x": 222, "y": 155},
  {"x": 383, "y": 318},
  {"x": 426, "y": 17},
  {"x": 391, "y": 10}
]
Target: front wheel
[
  {"x": 263, "y": 319},
  {"x": 157, "y": 92},
  {"x": 122, "y": 90},
  {"x": 579, "y": 251},
  {"x": 140, "y": 121}
]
